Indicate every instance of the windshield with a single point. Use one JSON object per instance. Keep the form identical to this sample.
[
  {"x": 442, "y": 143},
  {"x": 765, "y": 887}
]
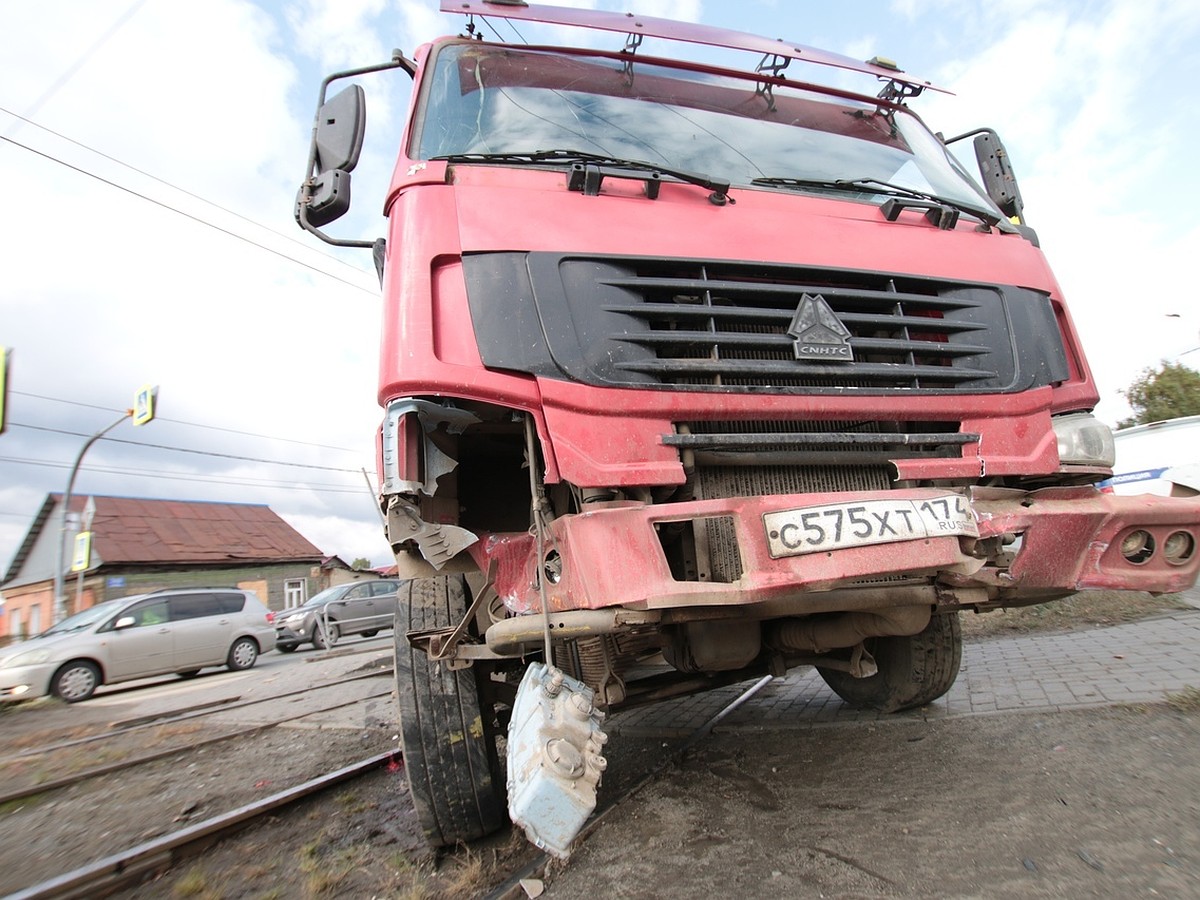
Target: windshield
[
  {"x": 87, "y": 618},
  {"x": 495, "y": 100}
]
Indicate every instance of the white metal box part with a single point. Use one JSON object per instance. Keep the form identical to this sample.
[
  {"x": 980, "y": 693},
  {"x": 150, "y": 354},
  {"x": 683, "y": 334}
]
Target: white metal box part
[{"x": 554, "y": 761}]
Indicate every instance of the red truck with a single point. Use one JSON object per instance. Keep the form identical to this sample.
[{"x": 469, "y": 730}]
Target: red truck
[{"x": 695, "y": 371}]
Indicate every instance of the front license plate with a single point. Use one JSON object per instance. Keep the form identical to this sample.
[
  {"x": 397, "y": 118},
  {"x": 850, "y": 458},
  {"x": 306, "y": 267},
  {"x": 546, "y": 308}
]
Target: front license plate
[{"x": 814, "y": 529}]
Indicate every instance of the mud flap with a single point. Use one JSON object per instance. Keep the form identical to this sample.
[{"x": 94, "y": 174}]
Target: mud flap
[{"x": 554, "y": 761}]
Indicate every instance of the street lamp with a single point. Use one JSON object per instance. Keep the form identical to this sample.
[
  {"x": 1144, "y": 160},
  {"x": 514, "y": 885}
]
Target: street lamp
[{"x": 143, "y": 411}]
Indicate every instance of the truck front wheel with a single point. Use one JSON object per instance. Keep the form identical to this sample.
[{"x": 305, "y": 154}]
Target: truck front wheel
[
  {"x": 913, "y": 670},
  {"x": 446, "y": 725}
]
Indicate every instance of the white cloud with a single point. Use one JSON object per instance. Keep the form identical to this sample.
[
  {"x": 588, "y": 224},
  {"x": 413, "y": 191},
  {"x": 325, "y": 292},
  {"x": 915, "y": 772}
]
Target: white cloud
[
  {"x": 1080, "y": 100},
  {"x": 103, "y": 291}
]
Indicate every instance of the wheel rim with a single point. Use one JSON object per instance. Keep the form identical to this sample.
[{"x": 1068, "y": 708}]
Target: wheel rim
[
  {"x": 77, "y": 683},
  {"x": 243, "y": 654}
]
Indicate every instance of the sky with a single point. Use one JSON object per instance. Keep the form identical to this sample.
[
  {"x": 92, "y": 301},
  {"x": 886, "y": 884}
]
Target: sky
[{"x": 150, "y": 152}]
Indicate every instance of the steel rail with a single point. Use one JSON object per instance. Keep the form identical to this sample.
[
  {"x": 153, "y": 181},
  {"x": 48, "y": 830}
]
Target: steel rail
[
  {"x": 123, "y": 765},
  {"x": 209, "y": 708},
  {"x": 112, "y": 873}
]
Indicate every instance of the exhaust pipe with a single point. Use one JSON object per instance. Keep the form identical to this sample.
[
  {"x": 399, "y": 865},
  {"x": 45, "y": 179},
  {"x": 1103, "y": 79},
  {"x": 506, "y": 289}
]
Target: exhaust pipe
[{"x": 820, "y": 634}]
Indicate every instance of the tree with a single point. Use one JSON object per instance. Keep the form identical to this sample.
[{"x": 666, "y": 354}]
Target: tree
[
  {"x": 1168, "y": 392},
  {"x": 360, "y": 564}
]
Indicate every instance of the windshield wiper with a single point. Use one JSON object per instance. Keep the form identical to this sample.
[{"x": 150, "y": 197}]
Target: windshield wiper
[
  {"x": 719, "y": 188},
  {"x": 878, "y": 186}
]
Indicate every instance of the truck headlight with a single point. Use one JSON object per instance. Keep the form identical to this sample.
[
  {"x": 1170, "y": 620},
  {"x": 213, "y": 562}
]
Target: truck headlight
[{"x": 1084, "y": 440}]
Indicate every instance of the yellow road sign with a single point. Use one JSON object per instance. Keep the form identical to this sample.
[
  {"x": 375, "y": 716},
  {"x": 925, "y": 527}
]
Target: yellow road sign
[{"x": 83, "y": 552}]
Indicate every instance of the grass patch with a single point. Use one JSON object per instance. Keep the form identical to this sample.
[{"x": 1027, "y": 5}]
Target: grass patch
[
  {"x": 465, "y": 877},
  {"x": 193, "y": 884},
  {"x": 327, "y": 868},
  {"x": 351, "y": 802},
  {"x": 1085, "y": 609},
  {"x": 1187, "y": 700},
  {"x": 15, "y": 806}
]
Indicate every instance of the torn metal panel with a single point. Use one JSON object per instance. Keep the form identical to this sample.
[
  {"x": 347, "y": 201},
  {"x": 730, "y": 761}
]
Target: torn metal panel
[
  {"x": 413, "y": 463},
  {"x": 438, "y": 543}
]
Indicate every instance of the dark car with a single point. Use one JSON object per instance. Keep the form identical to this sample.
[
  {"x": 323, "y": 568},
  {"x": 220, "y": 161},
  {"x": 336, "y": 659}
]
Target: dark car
[{"x": 361, "y": 607}]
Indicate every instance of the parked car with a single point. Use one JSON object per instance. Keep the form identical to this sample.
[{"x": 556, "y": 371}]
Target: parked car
[
  {"x": 178, "y": 631},
  {"x": 360, "y": 607}
]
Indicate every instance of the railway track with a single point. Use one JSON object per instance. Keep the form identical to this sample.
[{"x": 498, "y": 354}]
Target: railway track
[
  {"x": 45, "y": 754},
  {"x": 128, "y": 867},
  {"x": 152, "y": 858}
]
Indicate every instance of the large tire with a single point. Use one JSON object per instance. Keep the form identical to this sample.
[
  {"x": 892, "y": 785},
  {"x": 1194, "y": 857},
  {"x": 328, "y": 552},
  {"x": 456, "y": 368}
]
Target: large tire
[
  {"x": 913, "y": 670},
  {"x": 448, "y": 731}
]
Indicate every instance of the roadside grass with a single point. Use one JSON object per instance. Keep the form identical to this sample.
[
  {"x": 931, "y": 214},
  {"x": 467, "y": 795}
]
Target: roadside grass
[
  {"x": 194, "y": 885},
  {"x": 1082, "y": 610},
  {"x": 1187, "y": 700}
]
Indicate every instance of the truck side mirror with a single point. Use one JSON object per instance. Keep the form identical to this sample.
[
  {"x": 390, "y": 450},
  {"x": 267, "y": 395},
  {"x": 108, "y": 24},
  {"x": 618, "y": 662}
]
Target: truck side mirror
[
  {"x": 328, "y": 197},
  {"x": 338, "y": 134},
  {"x": 337, "y": 140},
  {"x": 998, "y": 178},
  {"x": 340, "y": 127}
]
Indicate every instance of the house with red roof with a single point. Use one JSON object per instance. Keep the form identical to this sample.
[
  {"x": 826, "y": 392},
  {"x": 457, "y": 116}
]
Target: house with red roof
[{"x": 140, "y": 545}]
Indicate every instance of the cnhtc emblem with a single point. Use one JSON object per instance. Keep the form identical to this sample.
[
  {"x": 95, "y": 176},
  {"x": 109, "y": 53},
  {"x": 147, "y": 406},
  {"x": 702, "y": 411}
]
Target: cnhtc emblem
[{"x": 819, "y": 333}]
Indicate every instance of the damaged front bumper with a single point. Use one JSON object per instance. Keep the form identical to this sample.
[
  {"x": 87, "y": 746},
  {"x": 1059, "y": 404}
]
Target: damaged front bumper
[{"x": 1019, "y": 547}]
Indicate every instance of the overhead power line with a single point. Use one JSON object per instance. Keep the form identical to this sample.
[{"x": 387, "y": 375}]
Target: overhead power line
[
  {"x": 185, "y": 191},
  {"x": 114, "y": 409},
  {"x": 212, "y": 453},
  {"x": 187, "y": 215},
  {"x": 266, "y": 484}
]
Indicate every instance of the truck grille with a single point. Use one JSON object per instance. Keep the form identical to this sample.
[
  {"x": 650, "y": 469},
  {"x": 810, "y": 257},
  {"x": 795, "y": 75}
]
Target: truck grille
[
  {"x": 726, "y": 326},
  {"x": 739, "y": 327}
]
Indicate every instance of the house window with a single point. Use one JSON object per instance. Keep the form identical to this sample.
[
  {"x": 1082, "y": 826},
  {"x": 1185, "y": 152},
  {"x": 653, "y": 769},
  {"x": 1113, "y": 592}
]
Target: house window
[
  {"x": 294, "y": 593},
  {"x": 35, "y": 619}
]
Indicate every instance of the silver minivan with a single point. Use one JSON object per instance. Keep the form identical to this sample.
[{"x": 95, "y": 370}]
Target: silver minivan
[{"x": 178, "y": 631}]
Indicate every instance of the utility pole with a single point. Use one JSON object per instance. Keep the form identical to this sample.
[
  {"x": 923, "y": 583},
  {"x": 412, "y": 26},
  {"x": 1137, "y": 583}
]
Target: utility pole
[{"x": 143, "y": 412}]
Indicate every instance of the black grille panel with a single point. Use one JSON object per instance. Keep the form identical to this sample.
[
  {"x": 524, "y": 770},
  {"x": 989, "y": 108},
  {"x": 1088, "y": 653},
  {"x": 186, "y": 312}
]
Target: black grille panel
[
  {"x": 813, "y": 443},
  {"x": 712, "y": 325},
  {"x": 718, "y": 329}
]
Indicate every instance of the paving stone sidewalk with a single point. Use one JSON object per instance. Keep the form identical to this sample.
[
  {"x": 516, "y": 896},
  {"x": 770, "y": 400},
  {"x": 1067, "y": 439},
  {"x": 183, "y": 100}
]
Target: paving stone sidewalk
[{"x": 1142, "y": 662}]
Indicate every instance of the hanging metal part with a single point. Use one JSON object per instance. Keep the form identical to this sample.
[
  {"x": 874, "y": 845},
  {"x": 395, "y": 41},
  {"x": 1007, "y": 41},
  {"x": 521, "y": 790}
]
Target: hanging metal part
[
  {"x": 554, "y": 758},
  {"x": 538, "y": 507},
  {"x": 438, "y": 543},
  {"x": 771, "y": 64}
]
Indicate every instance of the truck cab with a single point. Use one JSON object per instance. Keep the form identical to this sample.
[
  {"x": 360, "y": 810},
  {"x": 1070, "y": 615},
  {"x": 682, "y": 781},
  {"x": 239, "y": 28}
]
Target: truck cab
[{"x": 695, "y": 371}]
